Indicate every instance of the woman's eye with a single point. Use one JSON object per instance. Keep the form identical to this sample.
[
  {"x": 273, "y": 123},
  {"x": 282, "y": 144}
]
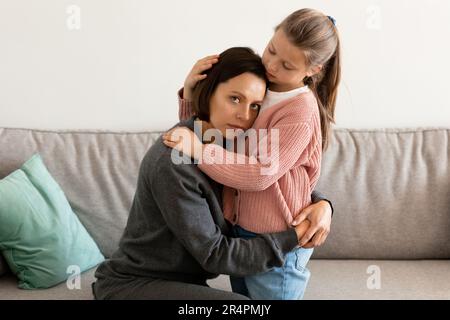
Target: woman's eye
[
  {"x": 235, "y": 99},
  {"x": 271, "y": 51},
  {"x": 255, "y": 106},
  {"x": 284, "y": 66}
]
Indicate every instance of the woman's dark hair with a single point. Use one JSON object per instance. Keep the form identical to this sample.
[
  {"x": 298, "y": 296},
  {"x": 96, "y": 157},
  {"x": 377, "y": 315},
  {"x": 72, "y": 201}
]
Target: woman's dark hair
[{"x": 232, "y": 63}]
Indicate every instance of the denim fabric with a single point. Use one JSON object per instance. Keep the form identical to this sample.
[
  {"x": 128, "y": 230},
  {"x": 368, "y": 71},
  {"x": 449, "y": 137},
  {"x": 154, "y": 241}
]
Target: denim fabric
[{"x": 281, "y": 283}]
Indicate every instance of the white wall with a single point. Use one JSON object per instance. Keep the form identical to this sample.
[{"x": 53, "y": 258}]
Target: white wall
[{"x": 120, "y": 70}]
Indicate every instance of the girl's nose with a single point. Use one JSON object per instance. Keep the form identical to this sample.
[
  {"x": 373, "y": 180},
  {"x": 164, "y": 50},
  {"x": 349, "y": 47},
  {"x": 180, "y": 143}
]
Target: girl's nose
[{"x": 271, "y": 68}]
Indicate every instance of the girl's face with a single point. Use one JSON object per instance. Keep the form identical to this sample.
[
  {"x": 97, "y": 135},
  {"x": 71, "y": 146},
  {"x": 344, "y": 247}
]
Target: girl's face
[
  {"x": 285, "y": 63},
  {"x": 235, "y": 103}
]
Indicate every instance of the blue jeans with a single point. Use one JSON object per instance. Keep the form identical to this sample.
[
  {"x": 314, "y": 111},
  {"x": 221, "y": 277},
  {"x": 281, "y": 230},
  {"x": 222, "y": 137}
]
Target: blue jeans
[{"x": 281, "y": 283}]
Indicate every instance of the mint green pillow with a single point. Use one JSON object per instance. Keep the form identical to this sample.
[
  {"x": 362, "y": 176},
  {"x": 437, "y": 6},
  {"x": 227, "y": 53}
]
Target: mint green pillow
[
  {"x": 3, "y": 266},
  {"x": 40, "y": 236}
]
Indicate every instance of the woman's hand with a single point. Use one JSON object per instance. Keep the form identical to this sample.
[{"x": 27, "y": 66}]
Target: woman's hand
[
  {"x": 184, "y": 140},
  {"x": 319, "y": 215},
  {"x": 301, "y": 229},
  {"x": 196, "y": 74}
]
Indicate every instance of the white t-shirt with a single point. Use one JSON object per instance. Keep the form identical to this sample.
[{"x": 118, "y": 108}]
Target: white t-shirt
[{"x": 272, "y": 97}]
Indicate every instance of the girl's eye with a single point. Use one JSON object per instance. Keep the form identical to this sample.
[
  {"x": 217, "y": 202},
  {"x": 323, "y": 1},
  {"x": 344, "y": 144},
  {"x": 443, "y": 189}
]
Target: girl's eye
[
  {"x": 255, "y": 106},
  {"x": 284, "y": 66},
  {"x": 235, "y": 99}
]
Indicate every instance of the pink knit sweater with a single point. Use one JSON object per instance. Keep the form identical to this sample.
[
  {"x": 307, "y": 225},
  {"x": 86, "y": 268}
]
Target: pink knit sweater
[{"x": 269, "y": 202}]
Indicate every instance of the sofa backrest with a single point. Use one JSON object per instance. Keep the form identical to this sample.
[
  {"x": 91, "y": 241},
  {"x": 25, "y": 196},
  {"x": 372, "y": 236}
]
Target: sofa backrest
[
  {"x": 390, "y": 188},
  {"x": 391, "y": 192},
  {"x": 96, "y": 170}
]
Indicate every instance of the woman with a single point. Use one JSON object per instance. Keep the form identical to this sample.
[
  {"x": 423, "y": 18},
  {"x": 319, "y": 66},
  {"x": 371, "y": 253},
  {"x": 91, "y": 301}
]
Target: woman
[{"x": 176, "y": 236}]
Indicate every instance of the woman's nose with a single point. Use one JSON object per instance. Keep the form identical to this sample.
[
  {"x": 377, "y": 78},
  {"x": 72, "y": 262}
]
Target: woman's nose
[{"x": 244, "y": 113}]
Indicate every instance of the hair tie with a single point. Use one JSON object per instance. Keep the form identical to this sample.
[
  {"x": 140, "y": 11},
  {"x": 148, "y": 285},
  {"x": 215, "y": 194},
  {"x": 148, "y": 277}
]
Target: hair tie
[{"x": 333, "y": 20}]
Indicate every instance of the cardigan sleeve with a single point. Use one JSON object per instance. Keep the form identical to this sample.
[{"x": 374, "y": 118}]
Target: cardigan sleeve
[
  {"x": 257, "y": 173},
  {"x": 185, "y": 110}
]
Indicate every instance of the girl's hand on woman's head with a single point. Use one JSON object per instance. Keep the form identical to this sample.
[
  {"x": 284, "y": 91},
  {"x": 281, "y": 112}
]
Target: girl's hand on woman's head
[
  {"x": 197, "y": 75},
  {"x": 319, "y": 215},
  {"x": 185, "y": 140}
]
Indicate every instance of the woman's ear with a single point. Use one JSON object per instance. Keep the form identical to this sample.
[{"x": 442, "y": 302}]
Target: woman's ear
[{"x": 314, "y": 70}]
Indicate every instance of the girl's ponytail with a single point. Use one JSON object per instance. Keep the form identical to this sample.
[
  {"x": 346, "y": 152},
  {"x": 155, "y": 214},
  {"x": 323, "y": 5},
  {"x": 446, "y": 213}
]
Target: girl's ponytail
[{"x": 325, "y": 86}]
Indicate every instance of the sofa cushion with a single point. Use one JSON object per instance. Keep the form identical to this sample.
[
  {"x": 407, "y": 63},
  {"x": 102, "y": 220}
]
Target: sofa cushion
[
  {"x": 76, "y": 289},
  {"x": 40, "y": 237},
  {"x": 330, "y": 279},
  {"x": 378, "y": 279}
]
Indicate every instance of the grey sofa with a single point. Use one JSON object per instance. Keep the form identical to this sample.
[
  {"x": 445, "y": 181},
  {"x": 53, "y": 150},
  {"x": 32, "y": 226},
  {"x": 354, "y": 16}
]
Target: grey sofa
[{"x": 390, "y": 188}]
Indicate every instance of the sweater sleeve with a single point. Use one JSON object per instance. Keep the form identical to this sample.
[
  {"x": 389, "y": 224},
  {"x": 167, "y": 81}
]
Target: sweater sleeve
[
  {"x": 185, "y": 110},
  {"x": 187, "y": 214},
  {"x": 258, "y": 173}
]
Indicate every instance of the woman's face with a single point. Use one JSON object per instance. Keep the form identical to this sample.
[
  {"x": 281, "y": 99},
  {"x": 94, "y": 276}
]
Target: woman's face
[
  {"x": 235, "y": 103},
  {"x": 285, "y": 63}
]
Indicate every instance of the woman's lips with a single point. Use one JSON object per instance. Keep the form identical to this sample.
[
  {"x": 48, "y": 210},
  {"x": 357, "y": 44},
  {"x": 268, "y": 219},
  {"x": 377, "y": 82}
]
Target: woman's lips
[{"x": 235, "y": 127}]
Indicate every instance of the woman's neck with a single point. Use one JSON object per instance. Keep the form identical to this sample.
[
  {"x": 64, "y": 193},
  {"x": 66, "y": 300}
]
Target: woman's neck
[{"x": 204, "y": 125}]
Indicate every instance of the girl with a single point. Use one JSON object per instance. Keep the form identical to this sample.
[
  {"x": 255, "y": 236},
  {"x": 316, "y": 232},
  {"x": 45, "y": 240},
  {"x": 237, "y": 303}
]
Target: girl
[{"x": 302, "y": 62}]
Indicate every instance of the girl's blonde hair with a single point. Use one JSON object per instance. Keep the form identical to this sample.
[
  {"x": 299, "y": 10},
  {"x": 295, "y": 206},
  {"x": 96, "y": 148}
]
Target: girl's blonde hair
[{"x": 317, "y": 36}]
